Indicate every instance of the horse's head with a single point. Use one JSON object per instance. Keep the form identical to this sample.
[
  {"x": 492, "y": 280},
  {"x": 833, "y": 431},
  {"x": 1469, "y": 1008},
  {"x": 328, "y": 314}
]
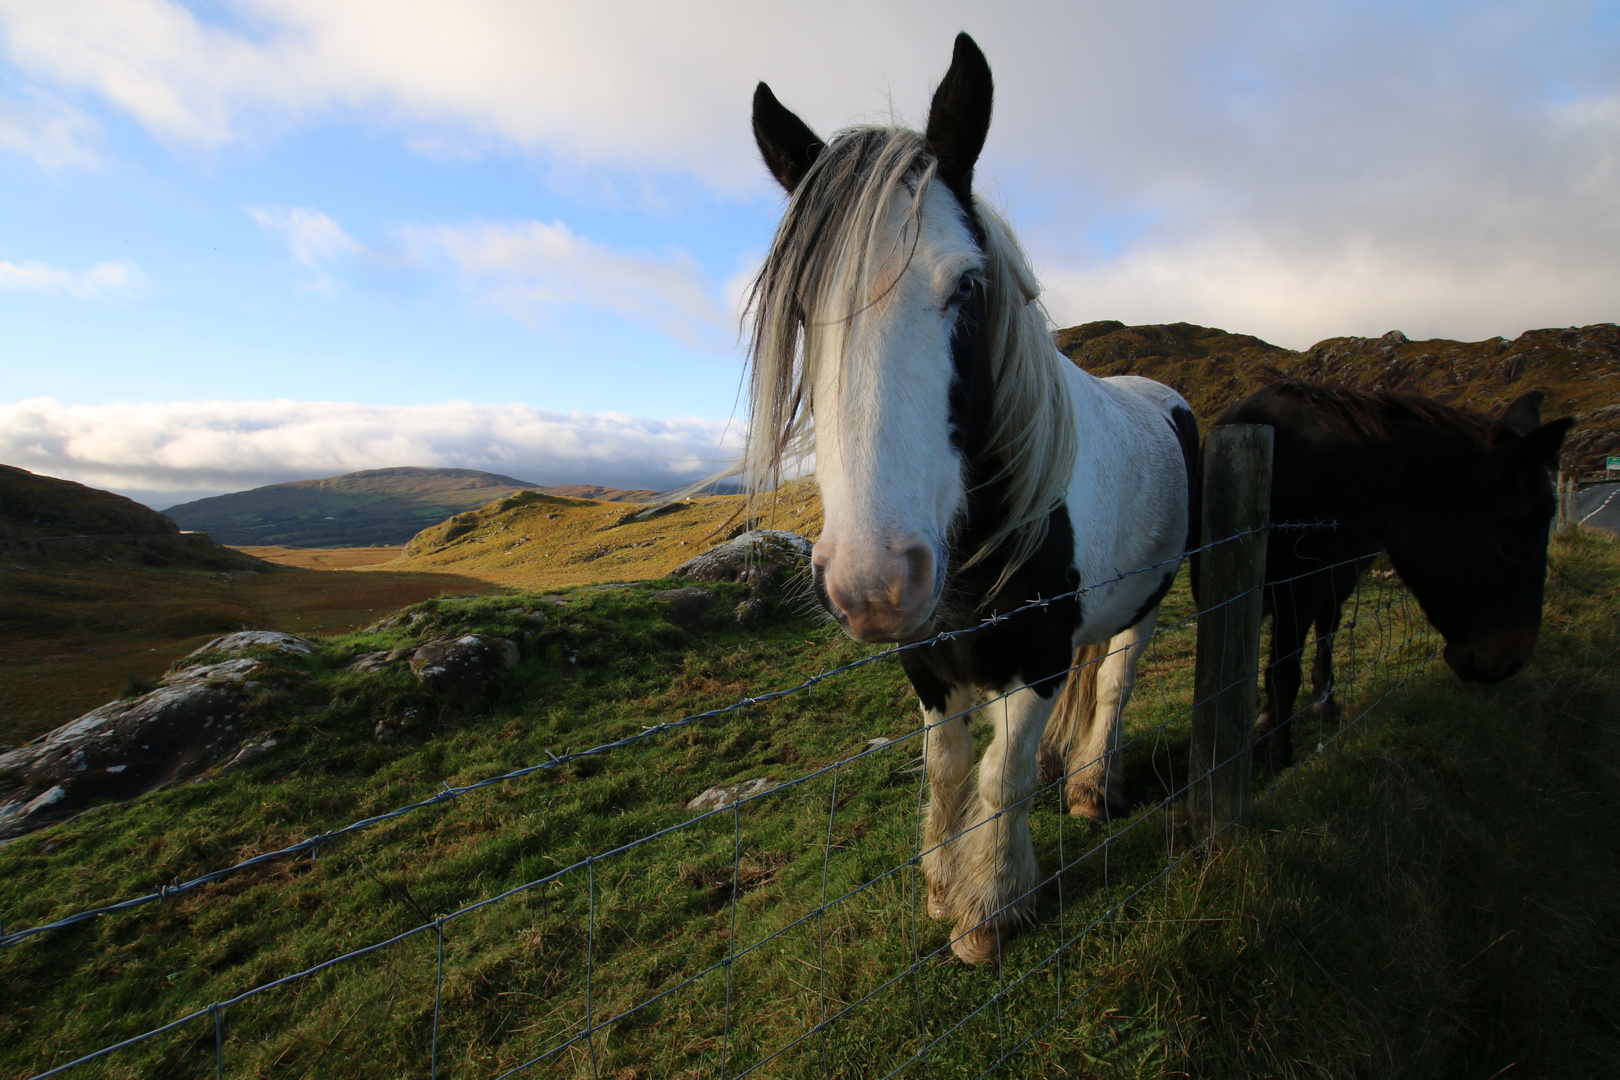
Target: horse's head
[
  {"x": 1478, "y": 564},
  {"x": 876, "y": 342}
]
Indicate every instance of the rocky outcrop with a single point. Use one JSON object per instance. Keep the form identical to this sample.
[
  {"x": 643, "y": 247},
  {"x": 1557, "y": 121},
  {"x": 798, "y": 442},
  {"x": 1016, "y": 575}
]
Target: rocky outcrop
[{"x": 771, "y": 553}]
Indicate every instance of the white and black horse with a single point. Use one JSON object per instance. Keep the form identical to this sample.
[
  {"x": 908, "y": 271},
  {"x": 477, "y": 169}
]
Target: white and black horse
[{"x": 965, "y": 466}]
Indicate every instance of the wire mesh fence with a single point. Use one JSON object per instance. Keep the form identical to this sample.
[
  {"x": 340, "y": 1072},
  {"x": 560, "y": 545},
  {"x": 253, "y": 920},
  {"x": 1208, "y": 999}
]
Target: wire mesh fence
[{"x": 784, "y": 933}]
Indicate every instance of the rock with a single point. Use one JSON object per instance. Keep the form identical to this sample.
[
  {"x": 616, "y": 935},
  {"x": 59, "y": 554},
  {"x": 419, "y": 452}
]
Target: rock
[
  {"x": 751, "y": 613},
  {"x": 376, "y": 661},
  {"x": 193, "y": 720},
  {"x": 683, "y": 607},
  {"x": 1394, "y": 337},
  {"x": 240, "y": 642},
  {"x": 717, "y": 797},
  {"x": 466, "y": 666},
  {"x": 774, "y": 548}
]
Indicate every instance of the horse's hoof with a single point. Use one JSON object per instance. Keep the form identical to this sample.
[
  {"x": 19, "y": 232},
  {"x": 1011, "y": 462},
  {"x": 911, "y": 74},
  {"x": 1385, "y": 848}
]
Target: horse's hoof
[
  {"x": 978, "y": 945},
  {"x": 937, "y": 907},
  {"x": 1262, "y": 724},
  {"x": 1327, "y": 709}
]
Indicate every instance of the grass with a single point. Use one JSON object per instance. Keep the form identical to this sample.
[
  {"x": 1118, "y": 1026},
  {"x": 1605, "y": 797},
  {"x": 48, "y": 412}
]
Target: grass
[{"x": 1432, "y": 896}]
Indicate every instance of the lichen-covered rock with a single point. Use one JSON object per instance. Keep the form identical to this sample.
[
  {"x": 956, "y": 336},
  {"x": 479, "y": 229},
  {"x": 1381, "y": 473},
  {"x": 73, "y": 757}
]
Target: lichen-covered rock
[
  {"x": 775, "y": 550},
  {"x": 726, "y": 794},
  {"x": 240, "y": 642},
  {"x": 467, "y": 666},
  {"x": 192, "y": 721}
]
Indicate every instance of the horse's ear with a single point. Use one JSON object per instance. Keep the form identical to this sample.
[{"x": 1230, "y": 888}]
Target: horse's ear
[
  {"x": 959, "y": 118},
  {"x": 786, "y": 143},
  {"x": 1524, "y": 414},
  {"x": 1541, "y": 446}
]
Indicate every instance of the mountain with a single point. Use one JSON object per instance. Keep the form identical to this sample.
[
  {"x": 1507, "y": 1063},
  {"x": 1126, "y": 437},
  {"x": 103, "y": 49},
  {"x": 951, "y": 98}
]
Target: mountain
[
  {"x": 1578, "y": 367},
  {"x": 378, "y": 506}
]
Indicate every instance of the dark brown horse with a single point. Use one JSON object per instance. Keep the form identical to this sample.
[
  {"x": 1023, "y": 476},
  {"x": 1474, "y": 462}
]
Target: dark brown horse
[{"x": 1460, "y": 501}]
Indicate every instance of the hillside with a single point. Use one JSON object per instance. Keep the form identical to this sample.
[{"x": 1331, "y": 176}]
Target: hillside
[
  {"x": 534, "y": 540},
  {"x": 46, "y": 521},
  {"x": 1579, "y": 367}
]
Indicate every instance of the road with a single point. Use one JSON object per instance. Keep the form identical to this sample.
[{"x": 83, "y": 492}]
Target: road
[{"x": 1599, "y": 507}]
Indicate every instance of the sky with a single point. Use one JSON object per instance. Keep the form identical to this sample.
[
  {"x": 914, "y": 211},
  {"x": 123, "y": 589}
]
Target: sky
[{"x": 251, "y": 241}]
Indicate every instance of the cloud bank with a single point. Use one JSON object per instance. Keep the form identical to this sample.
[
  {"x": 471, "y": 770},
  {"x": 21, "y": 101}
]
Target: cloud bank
[{"x": 166, "y": 453}]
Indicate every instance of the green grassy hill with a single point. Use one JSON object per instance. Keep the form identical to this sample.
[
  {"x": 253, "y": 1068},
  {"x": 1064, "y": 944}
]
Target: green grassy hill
[
  {"x": 377, "y": 506},
  {"x": 1432, "y": 897},
  {"x": 1579, "y": 367}
]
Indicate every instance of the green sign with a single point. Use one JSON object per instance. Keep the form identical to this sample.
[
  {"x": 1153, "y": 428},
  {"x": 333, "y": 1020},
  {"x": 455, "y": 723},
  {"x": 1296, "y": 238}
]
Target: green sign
[{"x": 1614, "y": 463}]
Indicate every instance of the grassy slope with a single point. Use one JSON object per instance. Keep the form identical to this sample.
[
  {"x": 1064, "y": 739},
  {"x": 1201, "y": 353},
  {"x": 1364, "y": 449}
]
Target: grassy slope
[
  {"x": 531, "y": 540},
  {"x": 1579, "y": 367},
  {"x": 1435, "y": 897}
]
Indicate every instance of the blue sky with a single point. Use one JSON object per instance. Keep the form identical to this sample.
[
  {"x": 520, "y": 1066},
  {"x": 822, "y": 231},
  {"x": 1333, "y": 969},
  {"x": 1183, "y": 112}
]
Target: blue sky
[{"x": 253, "y": 241}]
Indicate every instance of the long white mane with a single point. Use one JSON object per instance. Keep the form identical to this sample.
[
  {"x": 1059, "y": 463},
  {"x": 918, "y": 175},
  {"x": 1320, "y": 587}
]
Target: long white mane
[{"x": 831, "y": 257}]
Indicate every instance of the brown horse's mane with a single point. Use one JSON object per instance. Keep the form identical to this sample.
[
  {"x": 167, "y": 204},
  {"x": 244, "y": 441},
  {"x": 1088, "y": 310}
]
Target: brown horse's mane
[{"x": 1360, "y": 415}]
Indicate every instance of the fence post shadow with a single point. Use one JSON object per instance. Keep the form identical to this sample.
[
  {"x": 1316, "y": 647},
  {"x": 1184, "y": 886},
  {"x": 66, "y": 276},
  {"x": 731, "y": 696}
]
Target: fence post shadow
[{"x": 1235, "y": 505}]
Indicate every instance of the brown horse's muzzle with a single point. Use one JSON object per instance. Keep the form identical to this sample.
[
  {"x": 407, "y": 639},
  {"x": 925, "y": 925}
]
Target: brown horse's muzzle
[{"x": 1491, "y": 659}]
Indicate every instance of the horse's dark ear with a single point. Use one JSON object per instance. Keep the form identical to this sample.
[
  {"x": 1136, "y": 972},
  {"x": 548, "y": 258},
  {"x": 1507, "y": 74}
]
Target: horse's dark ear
[
  {"x": 1524, "y": 415},
  {"x": 1541, "y": 446},
  {"x": 959, "y": 118},
  {"x": 786, "y": 143}
]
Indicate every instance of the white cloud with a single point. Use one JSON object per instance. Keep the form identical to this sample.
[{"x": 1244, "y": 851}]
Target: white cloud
[
  {"x": 170, "y": 452},
  {"x": 96, "y": 283},
  {"x": 1360, "y": 158},
  {"x": 527, "y": 267},
  {"x": 55, "y": 135},
  {"x": 312, "y": 237}
]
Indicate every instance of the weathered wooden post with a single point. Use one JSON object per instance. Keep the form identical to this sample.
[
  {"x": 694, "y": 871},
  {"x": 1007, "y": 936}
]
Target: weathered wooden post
[{"x": 1236, "y": 501}]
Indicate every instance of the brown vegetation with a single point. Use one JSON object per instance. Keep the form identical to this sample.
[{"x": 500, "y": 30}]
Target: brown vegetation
[{"x": 1578, "y": 367}]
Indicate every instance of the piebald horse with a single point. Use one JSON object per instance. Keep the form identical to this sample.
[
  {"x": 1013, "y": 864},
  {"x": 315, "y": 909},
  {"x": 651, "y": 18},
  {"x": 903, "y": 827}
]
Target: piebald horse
[{"x": 966, "y": 468}]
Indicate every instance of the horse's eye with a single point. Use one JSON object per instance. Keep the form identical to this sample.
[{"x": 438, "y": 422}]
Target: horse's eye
[{"x": 964, "y": 290}]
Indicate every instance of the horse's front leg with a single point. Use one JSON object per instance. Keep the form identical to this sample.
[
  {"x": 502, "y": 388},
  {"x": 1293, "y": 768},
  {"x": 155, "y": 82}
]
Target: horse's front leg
[
  {"x": 948, "y": 754},
  {"x": 994, "y": 858}
]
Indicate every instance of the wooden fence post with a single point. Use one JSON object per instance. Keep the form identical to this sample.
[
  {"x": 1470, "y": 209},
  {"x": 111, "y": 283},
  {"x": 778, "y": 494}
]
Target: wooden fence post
[{"x": 1236, "y": 500}]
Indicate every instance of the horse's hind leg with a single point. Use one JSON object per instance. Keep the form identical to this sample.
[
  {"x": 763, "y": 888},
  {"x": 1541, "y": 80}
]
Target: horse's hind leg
[
  {"x": 994, "y": 857},
  {"x": 1274, "y": 734},
  {"x": 1096, "y": 786},
  {"x": 1323, "y": 702},
  {"x": 948, "y": 754}
]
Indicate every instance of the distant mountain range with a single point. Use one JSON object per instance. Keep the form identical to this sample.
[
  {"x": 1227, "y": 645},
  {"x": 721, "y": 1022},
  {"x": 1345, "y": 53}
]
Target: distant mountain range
[{"x": 377, "y": 506}]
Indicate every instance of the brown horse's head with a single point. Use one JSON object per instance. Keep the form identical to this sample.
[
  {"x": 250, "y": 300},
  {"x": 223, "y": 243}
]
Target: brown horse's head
[{"x": 1475, "y": 556}]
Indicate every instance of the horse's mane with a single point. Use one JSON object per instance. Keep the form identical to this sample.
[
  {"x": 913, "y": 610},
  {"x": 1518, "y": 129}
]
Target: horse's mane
[
  {"x": 1360, "y": 415},
  {"x": 829, "y": 257}
]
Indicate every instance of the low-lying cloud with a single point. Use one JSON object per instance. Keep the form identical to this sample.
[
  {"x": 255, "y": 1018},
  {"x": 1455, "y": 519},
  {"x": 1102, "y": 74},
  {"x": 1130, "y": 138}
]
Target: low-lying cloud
[{"x": 166, "y": 453}]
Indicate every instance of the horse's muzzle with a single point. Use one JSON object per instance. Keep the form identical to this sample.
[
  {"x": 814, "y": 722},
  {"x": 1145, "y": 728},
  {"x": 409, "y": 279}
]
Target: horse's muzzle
[
  {"x": 1492, "y": 659},
  {"x": 886, "y": 599}
]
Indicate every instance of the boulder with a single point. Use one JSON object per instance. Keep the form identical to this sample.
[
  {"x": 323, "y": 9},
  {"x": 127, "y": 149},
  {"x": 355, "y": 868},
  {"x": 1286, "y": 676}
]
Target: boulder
[
  {"x": 192, "y": 721},
  {"x": 726, "y": 794},
  {"x": 466, "y": 666},
  {"x": 240, "y": 642},
  {"x": 771, "y": 551}
]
